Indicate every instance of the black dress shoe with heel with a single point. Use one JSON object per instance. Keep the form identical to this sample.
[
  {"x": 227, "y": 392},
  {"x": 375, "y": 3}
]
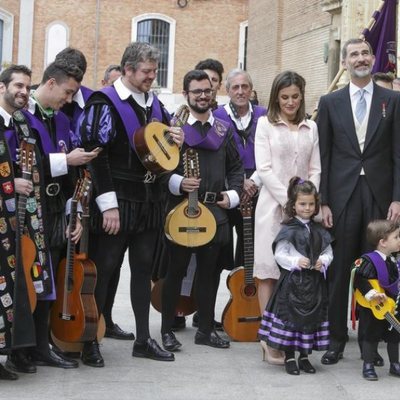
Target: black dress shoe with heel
[
  {"x": 170, "y": 342},
  {"x": 395, "y": 369},
  {"x": 7, "y": 375},
  {"x": 50, "y": 358},
  {"x": 368, "y": 372},
  {"x": 91, "y": 355},
  {"x": 18, "y": 361},
  {"x": 305, "y": 365},
  {"x": 151, "y": 349},
  {"x": 331, "y": 357},
  {"x": 115, "y": 332},
  {"x": 212, "y": 339},
  {"x": 291, "y": 367}
]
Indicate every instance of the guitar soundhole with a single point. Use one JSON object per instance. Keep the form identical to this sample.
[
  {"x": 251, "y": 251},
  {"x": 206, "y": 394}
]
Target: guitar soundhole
[
  {"x": 192, "y": 212},
  {"x": 250, "y": 290}
]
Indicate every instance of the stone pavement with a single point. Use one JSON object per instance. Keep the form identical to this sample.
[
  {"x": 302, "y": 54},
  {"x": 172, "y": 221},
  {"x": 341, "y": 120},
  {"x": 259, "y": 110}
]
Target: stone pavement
[{"x": 199, "y": 372}]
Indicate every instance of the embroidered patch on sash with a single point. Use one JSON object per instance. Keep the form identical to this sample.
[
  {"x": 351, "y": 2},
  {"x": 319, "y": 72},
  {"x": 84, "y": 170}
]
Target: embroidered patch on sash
[
  {"x": 6, "y": 245},
  {"x": 3, "y": 225},
  {"x": 3, "y": 283},
  {"x": 31, "y": 204},
  {"x": 6, "y": 300},
  {"x": 11, "y": 261},
  {"x": 5, "y": 169},
  {"x": 10, "y": 205},
  {"x": 8, "y": 187}
]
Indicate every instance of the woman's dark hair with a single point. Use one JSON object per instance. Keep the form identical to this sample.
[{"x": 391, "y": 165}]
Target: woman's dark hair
[
  {"x": 299, "y": 186},
  {"x": 282, "y": 81}
]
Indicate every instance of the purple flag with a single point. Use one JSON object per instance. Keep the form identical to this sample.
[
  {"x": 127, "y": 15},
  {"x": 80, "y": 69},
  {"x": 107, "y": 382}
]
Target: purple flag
[{"x": 382, "y": 38}]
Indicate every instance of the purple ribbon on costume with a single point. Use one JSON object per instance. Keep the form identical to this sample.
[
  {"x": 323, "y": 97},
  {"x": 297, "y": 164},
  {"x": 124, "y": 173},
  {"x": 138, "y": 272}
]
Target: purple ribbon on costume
[{"x": 127, "y": 114}]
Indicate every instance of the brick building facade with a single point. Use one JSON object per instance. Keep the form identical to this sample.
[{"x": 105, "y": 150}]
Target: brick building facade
[{"x": 101, "y": 29}]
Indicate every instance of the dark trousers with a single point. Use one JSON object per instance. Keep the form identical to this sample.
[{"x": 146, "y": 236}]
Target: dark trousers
[
  {"x": 350, "y": 242},
  {"x": 107, "y": 251},
  {"x": 205, "y": 284}
]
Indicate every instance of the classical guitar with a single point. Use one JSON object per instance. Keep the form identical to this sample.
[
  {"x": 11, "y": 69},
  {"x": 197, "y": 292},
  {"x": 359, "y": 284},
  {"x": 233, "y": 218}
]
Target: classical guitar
[
  {"x": 241, "y": 316},
  {"x": 154, "y": 145},
  {"x": 28, "y": 248},
  {"x": 89, "y": 267},
  {"x": 74, "y": 314},
  {"x": 190, "y": 223},
  {"x": 381, "y": 310}
]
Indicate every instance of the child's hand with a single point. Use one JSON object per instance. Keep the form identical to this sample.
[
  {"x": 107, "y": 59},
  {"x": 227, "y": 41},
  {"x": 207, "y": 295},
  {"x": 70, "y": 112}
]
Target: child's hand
[
  {"x": 304, "y": 262},
  {"x": 381, "y": 297}
]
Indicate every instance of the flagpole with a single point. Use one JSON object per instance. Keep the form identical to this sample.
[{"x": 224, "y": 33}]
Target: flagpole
[{"x": 369, "y": 26}]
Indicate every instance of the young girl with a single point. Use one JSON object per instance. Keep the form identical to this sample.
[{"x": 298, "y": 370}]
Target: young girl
[{"x": 295, "y": 318}]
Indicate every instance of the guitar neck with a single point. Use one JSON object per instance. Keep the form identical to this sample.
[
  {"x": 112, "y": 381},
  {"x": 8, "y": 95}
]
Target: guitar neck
[
  {"x": 248, "y": 249},
  {"x": 84, "y": 241},
  {"x": 71, "y": 246},
  {"x": 22, "y": 199},
  {"x": 393, "y": 321},
  {"x": 193, "y": 199}
]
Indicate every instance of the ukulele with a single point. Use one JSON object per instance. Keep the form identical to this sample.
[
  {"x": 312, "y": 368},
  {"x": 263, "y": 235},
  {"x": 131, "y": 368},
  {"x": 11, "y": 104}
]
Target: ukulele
[
  {"x": 190, "y": 223},
  {"x": 74, "y": 314},
  {"x": 154, "y": 144},
  {"x": 90, "y": 269},
  {"x": 380, "y": 309},
  {"x": 28, "y": 248},
  {"x": 241, "y": 316}
]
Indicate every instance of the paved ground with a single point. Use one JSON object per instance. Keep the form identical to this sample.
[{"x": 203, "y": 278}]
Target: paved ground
[{"x": 198, "y": 373}]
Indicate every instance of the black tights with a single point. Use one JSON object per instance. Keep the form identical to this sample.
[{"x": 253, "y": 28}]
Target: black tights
[
  {"x": 107, "y": 251},
  {"x": 369, "y": 350}
]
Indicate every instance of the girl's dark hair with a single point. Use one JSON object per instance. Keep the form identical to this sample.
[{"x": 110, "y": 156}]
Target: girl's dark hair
[
  {"x": 282, "y": 81},
  {"x": 299, "y": 186}
]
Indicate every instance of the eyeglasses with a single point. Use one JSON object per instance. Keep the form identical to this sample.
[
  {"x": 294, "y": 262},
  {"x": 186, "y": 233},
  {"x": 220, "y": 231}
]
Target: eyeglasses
[{"x": 198, "y": 92}]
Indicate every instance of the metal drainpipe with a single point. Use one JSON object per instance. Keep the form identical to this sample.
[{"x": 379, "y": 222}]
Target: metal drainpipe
[{"x": 96, "y": 44}]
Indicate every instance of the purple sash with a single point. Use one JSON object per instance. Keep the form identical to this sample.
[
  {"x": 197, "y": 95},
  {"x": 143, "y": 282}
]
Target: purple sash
[
  {"x": 383, "y": 276},
  {"x": 128, "y": 115},
  {"x": 212, "y": 141},
  {"x": 86, "y": 92},
  {"x": 246, "y": 153},
  {"x": 62, "y": 133}
]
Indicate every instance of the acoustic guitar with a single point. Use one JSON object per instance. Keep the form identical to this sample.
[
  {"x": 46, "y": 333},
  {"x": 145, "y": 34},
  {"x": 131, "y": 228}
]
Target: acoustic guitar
[
  {"x": 154, "y": 145},
  {"x": 190, "y": 223},
  {"x": 28, "y": 248},
  {"x": 380, "y": 309},
  {"x": 241, "y": 316},
  {"x": 74, "y": 314}
]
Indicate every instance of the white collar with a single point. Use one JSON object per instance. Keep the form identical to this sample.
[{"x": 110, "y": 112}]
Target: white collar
[
  {"x": 369, "y": 88},
  {"x": 6, "y": 116},
  {"x": 124, "y": 93},
  {"x": 78, "y": 98},
  {"x": 384, "y": 256},
  {"x": 304, "y": 221},
  {"x": 230, "y": 112},
  {"x": 192, "y": 120}
]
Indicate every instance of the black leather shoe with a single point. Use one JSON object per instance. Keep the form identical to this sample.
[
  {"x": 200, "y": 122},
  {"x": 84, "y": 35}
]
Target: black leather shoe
[
  {"x": 52, "y": 359},
  {"x": 331, "y": 357},
  {"x": 151, "y": 349},
  {"x": 368, "y": 372},
  {"x": 18, "y": 361},
  {"x": 305, "y": 365},
  {"x": 212, "y": 339},
  {"x": 170, "y": 342},
  {"x": 91, "y": 354},
  {"x": 115, "y": 332},
  {"x": 218, "y": 326},
  {"x": 179, "y": 323},
  {"x": 291, "y": 367},
  {"x": 378, "y": 360},
  {"x": 395, "y": 369},
  {"x": 7, "y": 375}
]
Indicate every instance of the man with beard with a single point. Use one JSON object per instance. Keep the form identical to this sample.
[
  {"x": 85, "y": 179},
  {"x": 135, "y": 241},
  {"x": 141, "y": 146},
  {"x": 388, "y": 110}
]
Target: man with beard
[
  {"x": 213, "y": 140},
  {"x": 129, "y": 199},
  {"x": 14, "y": 93},
  {"x": 360, "y": 180}
]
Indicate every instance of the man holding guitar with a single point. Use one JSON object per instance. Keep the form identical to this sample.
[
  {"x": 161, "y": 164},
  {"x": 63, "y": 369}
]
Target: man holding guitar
[
  {"x": 129, "y": 198},
  {"x": 219, "y": 162}
]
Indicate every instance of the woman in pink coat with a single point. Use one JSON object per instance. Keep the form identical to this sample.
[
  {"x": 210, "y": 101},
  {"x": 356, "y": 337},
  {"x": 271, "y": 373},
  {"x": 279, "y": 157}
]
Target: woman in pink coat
[{"x": 286, "y": 145}]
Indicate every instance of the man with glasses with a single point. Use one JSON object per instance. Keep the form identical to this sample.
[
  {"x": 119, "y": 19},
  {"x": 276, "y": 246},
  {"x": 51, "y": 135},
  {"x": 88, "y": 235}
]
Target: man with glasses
[
  {"x": 219, "y": 164},
  {"x": 129, "y": 207}
]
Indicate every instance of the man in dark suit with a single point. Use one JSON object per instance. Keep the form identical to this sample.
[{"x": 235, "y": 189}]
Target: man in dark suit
[{"x": 360, "y": 181}]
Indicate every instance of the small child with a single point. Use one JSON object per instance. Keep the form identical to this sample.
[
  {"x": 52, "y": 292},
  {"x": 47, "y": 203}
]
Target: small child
[
  {"x": 384, "y": 236},
  {"x": 295, "y": 318}
]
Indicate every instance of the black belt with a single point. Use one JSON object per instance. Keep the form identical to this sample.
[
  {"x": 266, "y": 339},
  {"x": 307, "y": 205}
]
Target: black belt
[{"x": 210, "y": 197}]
